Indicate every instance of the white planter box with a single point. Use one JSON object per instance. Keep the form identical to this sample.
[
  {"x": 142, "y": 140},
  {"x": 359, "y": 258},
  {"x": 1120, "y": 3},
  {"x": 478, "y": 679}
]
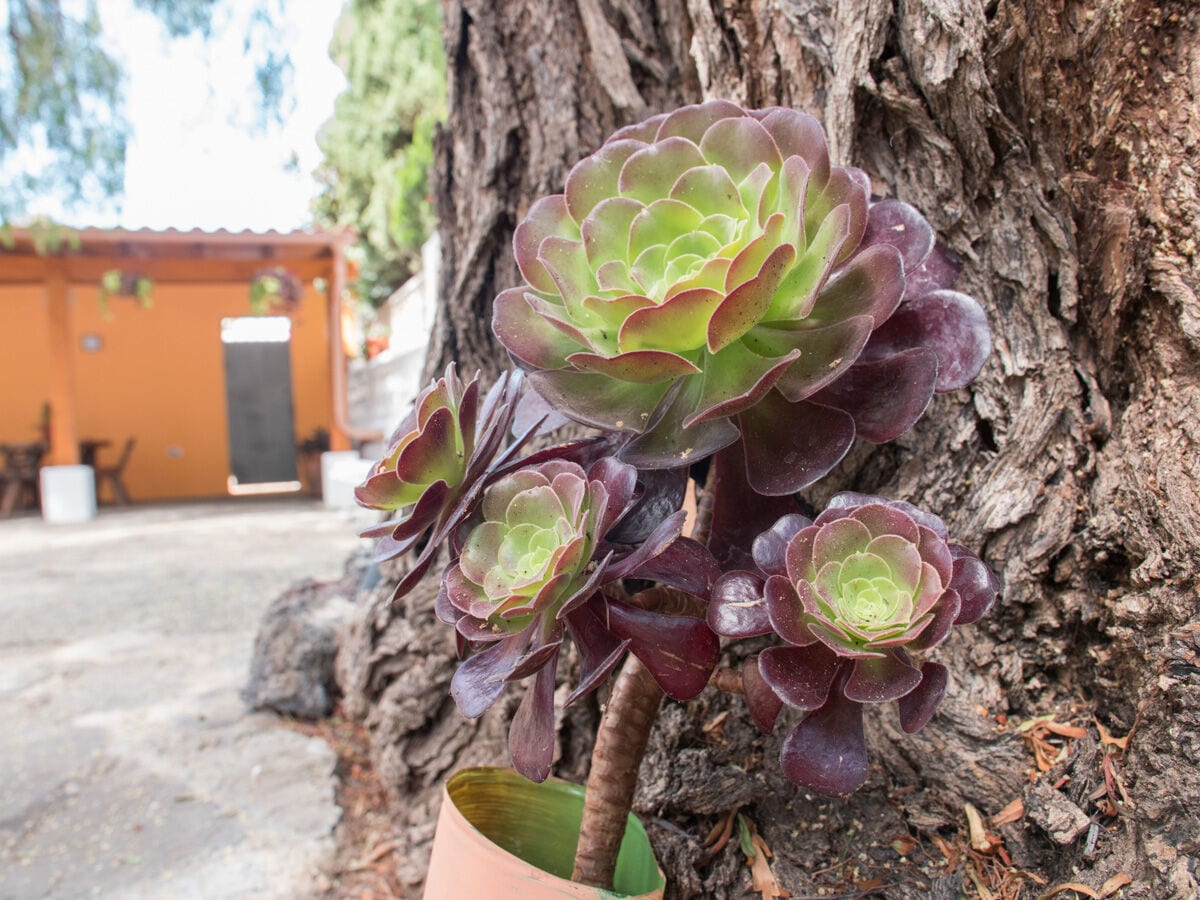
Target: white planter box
[
  {"x": 68, "y": 494},
  {"x": 341, "y": 472}
]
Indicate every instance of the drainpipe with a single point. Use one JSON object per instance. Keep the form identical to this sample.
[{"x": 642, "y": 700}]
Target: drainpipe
[{"x": 337, "y": 359}]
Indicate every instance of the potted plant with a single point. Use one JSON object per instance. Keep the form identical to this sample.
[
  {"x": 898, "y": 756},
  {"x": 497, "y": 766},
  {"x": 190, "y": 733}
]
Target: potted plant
[
  {"x": 726, "y": 308},
  {"x": 308, "y": 458}
]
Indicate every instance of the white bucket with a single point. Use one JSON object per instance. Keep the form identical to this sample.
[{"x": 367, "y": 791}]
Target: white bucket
[{"x": 68, "y": 494}]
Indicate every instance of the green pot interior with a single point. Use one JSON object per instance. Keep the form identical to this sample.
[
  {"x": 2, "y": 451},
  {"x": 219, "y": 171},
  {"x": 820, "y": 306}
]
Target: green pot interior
[{"x": 539, "y": 823}]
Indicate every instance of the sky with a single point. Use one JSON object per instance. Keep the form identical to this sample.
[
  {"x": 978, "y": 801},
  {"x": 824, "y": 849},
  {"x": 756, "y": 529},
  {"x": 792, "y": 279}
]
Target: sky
[{"x": 191, "y": 161}]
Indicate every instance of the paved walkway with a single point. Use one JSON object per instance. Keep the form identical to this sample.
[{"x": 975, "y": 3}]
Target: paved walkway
[{"x": 128, "y": 766}]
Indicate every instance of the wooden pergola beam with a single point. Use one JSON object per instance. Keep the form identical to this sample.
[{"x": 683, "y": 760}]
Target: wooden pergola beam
[{"x": 86, "y": 271}]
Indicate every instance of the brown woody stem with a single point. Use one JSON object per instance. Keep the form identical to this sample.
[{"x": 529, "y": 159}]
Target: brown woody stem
[
  {"x": 620, "y": 745},
  {"x": 623, "y": 734}
]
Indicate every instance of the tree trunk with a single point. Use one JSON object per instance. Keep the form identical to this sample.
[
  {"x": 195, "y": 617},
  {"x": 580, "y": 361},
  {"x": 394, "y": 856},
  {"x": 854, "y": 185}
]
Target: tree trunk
[{"x": 1054, "y": 146}]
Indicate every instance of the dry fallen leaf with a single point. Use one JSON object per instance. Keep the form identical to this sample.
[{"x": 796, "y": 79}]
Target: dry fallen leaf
[
  {"x": 1114, "y": 884},
  {"x": 1014, "y": 812},
  {"x": 758, "y": 854},
  {"x": 979, "y": 836},
  {"x": 1106, "y": 737},
  {"x": 1070, "y": 886}
]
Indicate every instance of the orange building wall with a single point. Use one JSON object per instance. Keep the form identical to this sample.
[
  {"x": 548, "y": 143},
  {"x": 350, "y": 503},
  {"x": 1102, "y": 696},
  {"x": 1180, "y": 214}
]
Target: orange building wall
[{"x": 159, "y": 377}]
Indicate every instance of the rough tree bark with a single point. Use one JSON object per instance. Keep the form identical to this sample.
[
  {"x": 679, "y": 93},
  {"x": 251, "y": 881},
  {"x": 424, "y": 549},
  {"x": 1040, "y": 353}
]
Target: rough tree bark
[{"x": 1054, "y": 145}]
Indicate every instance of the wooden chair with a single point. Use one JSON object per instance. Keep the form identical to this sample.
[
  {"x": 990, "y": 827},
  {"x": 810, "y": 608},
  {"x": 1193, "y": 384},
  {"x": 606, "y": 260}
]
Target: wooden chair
[
  {"x": 112, "y": 474},
  {"x": 19, "y": 474}
]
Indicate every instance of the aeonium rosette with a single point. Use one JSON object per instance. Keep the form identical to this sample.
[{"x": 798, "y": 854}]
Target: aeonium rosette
[
  {"x": 708, "y": 275},
  {"x": 434, "y": 465},
  {"x": 852, "y": 594},
  {"x": 531, "y": 566}
]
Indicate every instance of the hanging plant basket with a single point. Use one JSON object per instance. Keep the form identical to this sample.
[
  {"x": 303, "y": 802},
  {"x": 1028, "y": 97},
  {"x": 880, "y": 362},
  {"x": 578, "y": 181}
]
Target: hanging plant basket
[
  {"x": 500, "y": 835},
  {"x": 275, "y": 291}
]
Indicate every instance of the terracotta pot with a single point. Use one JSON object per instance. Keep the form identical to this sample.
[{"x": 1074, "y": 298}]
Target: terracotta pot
[{"x": 500, "y": 835}]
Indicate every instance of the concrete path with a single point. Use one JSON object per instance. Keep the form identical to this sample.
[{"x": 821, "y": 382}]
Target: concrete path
[{"x": 128, "y": 766}]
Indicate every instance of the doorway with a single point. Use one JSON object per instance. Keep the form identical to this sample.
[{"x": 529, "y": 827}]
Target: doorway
[{"x": 258, "y": 397}]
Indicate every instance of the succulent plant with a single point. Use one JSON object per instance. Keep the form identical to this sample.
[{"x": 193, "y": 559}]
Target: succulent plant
[
  {"x": 852, "y": 594},
  {"x": 708, "y": 275},
  {"x": 531, "y": 562},
  {"x": 435, "y": 466}
]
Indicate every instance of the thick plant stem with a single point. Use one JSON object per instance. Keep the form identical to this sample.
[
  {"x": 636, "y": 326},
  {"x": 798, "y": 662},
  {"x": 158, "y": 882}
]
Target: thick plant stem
[{"x": 620, "y": 745}]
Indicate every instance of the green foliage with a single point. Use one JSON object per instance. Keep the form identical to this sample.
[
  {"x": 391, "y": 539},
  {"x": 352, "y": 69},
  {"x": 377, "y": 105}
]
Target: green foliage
[
  {"x": 116, "y": 283},
  {"x": 378, "y": 145},
  {"x": 63, "y": 130},
  {"x": 61, "y": 118}
]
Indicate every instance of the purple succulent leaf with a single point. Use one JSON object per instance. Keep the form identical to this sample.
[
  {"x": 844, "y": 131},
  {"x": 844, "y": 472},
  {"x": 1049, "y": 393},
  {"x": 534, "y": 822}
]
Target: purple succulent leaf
[
  {"x": 659, "y": 540},
  {"x": 739, "y": 513},
  {"x": 851, "y": 500},
  {"x": 597, "y": 400},
  {"x": 739, "y": 144},
  {"x": 582, "y": 452},
  {"x": 599, "y": 650},
  {"x": 861, "y": 178},
  {"x": 620, "y": 482},
  {"x": 945, "y": 612},
  {"x": 531, "y": 735},
  {"x": 842, "y": 189},
  {"x": 599, "y": 575},
  {"x": 948, "y": 324},
  {"x": 678, "y": 651},
  {"x": 825, "y": 353},
  {"x": 535, "y": 416},
  {"x": 528, "y": 336},
  {"x": 918, "y": 706},
  {"x": 800, "y": 676},
  {"x": 976, "y": 584},
  {"x": 643, "y": 131},
  {"x": 837, "y": 540},
  {"x": 881, "y": 678},
  {"x": 897, "y": 224},
  {"x": 827, "y": 752},
  {"x": 736, "y": 379},
  {"x": 446, "y": 611},
  {"x": 659, "y": 446},
  {"x": 762, "y": 702},
  {"x": 480, "y": 680},
  {"x": 693, "y": 121},
  {"x": 415, "y": 573},
  {"x": 684, "y": 564},
  {"x": 871, "y": 284},
  {"x": 799, "y": 556},
  {"x": 791, "y": 445},
  {"x": 786, "y": 609},
  {"x": 738, "y": 609},
  {"x": 939, "y": 271},
  {"x": 548, "y": 217},
  {"x": 770, "y": 548},
  {"x": 659, "y": 493},
  {"x": 884, "y": 396},
  {"x": 535, "y": 659},
  {"x": 798, "y": 134},
  {"x": 936, "y": 552}
]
